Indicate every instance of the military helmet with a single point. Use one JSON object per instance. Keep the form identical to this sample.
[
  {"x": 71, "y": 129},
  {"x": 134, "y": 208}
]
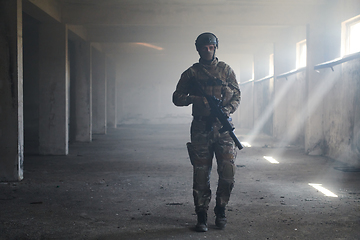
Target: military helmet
[{"x": 206, "y": 38}]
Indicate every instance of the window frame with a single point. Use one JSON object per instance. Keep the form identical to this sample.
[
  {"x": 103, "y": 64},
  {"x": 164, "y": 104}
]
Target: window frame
[{"x": 346, "y": 34}]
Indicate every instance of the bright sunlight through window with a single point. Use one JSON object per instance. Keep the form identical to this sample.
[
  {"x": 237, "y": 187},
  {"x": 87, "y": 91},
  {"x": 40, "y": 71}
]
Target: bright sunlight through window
[
  {"x": 350, "y": 36},
  {"x": 325, "y": 191},
  {"x": 354, "y": 40},
  {"x": 301, "y": 54},
  {"x": 271, "y": 65}
]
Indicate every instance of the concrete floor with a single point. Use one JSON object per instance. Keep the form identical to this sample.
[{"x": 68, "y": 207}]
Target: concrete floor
[{"x": 135, "y": 183}]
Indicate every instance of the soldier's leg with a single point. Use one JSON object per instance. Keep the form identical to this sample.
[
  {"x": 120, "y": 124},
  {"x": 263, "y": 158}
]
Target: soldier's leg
[
  {"x": 225, "y": 155},
  {"x": 201, "y": 158}
]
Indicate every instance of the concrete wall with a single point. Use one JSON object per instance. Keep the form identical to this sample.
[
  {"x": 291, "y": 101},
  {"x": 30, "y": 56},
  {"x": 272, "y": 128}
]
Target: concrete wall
[
  {"x": 318, "y": 110},
  {"x": 54, "y": 88},
  {"x": 50, "y": 119},
  {"x": 341, "y": 112},
  {"x": 111, "y": 101},
  {"x": 98, "y": 91},
  {"x": 246, "y": 108},
  {"x": 80, "y": 89},
  {"x": 290, "y": 109},
  {"x": 31, "y": 84},
  {"x": 264, "y": 105},
  {"x": 332, "y": 94},
  {"x": 11, "y": 91}
]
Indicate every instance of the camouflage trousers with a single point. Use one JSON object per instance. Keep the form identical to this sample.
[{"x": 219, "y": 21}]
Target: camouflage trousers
[{"x": 205, "y": 142}]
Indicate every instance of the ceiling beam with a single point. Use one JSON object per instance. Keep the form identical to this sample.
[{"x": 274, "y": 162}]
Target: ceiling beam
[
  {"x": 188, "y": 14},
  {"x": 182, "y": 35}
]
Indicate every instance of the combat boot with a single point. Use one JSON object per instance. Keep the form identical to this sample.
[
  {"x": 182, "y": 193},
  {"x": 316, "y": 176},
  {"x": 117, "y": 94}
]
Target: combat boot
[
  {"x": 201, "y": 225},
  {"x": 220, "y": 220}
]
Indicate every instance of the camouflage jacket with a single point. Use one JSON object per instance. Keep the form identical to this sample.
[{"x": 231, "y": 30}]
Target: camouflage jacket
[{"x": 226, "y": 90}]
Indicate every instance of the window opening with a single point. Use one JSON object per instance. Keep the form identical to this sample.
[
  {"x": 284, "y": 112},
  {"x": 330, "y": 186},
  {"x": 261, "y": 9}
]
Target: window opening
[
  {"x": 301, "y": 54},
  {"x": 350, "y": 36},
  {"x": 271, "y": 65}
]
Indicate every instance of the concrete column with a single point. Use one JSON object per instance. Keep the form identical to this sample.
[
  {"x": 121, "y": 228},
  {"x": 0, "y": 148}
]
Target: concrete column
[
  {"x": 246, "y": 108},
  {"x": 315, "y": 54},
  {"x": 11, "y": 91},
  {"x": 356, "y": 133},
  {"x": 83, "y": 88},
  {"x": 111, "y": 94},
  {"x": 99, "y": 92},
  {"x": 120, "y": 113},
  {"x": 54, "y": 89},
  {"x": 31, "y": 84}
]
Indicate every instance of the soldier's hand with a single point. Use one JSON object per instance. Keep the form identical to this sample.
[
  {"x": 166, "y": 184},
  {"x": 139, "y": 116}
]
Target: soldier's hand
[
  {"x": 227, "y": 95},
  {"x": 226, "y": 111},
  {"x": 200, "y": 101}
]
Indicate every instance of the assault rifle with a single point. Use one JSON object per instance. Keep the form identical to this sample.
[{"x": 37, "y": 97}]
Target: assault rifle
[{"x": 216, "y": 111}]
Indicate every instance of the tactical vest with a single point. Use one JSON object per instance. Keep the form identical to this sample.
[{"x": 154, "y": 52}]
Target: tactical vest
[{"x": 214, "y": 83}]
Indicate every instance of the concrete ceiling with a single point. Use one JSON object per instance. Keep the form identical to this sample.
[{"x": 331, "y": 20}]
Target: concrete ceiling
[{"x": 239, "y": 24}]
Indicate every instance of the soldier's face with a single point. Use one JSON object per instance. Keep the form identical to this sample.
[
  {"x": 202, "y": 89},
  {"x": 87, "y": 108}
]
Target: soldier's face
[{"x": 207, "y": 52}]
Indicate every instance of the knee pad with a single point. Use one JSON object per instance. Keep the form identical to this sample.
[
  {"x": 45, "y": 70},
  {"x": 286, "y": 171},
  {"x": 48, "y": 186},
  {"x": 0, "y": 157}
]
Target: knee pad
[
  {"x": 228, "y": 171},
  {"x": 201, "y": 177}
]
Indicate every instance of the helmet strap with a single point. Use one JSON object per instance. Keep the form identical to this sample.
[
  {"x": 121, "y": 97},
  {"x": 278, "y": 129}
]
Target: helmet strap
[{"x": 214, "y": 54}]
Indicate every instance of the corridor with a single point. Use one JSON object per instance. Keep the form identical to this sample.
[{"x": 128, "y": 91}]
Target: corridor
[
  {"x": 136, "y": 183},
  {"x": 93, "y": 147}
]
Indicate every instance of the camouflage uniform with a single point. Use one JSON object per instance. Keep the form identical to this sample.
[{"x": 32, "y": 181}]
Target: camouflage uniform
[{"x": 205, "y": 137}]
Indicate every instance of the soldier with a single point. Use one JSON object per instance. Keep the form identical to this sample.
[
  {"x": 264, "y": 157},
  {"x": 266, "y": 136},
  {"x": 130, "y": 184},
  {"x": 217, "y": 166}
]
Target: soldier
[{"x": 217, "y": 79}]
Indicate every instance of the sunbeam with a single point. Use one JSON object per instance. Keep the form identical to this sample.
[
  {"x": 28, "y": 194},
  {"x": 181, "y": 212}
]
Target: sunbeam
[
  {"x": 314, "y": 101},
  {"x": 279, "y": 96}
]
